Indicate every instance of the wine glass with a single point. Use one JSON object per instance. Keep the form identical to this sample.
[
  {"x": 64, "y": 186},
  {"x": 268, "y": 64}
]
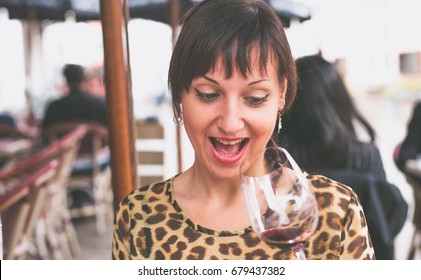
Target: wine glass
[{"x": 280, "y": 204}]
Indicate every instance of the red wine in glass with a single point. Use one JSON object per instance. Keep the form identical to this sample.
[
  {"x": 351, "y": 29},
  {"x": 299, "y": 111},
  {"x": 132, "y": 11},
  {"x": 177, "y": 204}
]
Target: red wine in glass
[
  {"x": 280, "y": 203},
  {"x": 284, "y": 235}
]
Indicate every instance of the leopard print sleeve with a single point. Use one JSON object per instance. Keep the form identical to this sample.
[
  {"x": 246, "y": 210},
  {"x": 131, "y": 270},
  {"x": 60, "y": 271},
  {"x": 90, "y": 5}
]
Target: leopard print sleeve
[
  {"x": 121, "y": 233},
  {"x": 342, "y": 231},
  {"x": 356, "y": 241}
]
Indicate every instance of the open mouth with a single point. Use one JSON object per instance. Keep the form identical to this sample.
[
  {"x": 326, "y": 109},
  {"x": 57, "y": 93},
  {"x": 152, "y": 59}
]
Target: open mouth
[{"x": 230, "y": 148}]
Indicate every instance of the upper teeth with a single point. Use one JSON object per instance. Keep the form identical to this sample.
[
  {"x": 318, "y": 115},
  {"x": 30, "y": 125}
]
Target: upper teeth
[{"x": 229, "y": 142}]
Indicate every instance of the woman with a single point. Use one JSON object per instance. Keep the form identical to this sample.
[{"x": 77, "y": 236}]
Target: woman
[
  {"x": 231, "y": 76},
  {"x": 320, "y": 130}
]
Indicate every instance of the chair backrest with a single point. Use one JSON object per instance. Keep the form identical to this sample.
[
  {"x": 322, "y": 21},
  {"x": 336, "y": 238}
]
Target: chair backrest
[
  {"x": 21, "y": 199},
  {"x": 66, "y": 146},
  {"x": 95, "y": 138},
  {"x": 384, "y": 206},
  {"x": 150, "y": 152},
  {"x": 93, "y": 144},
  {"x": 63, "y": 150}
]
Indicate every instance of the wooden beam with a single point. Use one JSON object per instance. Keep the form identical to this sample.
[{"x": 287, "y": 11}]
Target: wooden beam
[
  {"x": 118, "y": 97},
  {"x": 174, "y": 18}
]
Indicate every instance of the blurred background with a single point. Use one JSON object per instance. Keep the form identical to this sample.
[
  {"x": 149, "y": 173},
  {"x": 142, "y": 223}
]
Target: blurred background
[{"x": 375, "y": 44}]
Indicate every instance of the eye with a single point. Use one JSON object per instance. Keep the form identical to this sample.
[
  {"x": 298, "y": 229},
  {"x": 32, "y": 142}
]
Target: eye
[
  {"x": 208, "y": 97},
  {"x": 256, "y": 101}
]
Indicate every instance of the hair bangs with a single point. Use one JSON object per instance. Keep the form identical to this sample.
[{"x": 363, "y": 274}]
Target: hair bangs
[{"x": 243, "y": 33}]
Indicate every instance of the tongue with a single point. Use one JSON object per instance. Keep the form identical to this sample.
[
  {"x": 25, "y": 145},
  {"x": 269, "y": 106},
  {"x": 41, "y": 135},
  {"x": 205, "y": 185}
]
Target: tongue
[{"x": 227, "y": 150}]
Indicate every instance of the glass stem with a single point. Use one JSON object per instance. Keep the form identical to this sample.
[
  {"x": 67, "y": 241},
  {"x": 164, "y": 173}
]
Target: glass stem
[{"x": 299, "y": 251}]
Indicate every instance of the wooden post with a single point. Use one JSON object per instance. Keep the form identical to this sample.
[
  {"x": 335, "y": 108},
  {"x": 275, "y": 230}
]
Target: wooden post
[
  {"x": 174, "y": 18},
  {"x": 120, "y": 116}
]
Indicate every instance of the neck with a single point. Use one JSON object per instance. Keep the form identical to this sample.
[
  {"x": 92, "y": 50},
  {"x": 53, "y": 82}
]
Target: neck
[
  {"x": 75, "y": 87},
  {"x": 211, "y": 186},
  {"x": 202, "y": 196}
]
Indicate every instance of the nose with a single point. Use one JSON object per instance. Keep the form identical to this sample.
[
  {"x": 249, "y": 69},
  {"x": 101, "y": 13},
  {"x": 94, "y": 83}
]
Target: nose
[{"x": 231, "y": 117}]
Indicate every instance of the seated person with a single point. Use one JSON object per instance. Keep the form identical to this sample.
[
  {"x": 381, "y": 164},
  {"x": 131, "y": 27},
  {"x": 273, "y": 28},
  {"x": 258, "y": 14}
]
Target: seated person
[
  {"x": 9, "y": 127},
  {"x": 78, "y": 104},
  {"x": 320, "y": 133},
  {"x": 6, "y": 118}
]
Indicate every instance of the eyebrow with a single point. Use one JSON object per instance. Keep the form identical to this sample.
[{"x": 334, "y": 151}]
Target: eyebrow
[
  {"x": 251, "y": 83},
  {"x": 210, "y": 80}
]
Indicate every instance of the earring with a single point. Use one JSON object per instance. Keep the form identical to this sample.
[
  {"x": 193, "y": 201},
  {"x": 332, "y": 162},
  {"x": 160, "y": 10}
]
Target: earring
[
  {"x": 178, "y": 120},
  {"x": 279, "y": 122}
]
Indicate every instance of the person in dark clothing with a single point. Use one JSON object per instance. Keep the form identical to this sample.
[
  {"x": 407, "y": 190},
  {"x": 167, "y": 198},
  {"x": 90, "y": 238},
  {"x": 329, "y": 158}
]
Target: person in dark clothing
[
  {"x": 320, "y": 131},
  {"x": 7, "y": 118},
  {"x": 78, "y": 104},
  {"x": 411, "y": 145}
]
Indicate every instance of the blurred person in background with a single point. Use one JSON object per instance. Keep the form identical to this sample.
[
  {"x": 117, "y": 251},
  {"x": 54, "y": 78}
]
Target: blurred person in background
[
  {"x": 78, "y": 104},
  {"x": 7, "y": 118},
  {"x": 9, "y": 127},
  {"x": 324, "y": 130},
  {"x": 321, "y": 129},
  {"x": 411, "y": 145}
]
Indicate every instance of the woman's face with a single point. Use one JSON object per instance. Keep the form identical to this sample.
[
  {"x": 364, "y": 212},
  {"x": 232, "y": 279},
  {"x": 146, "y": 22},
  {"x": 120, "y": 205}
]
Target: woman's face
[{"x": 228, "y": 120}]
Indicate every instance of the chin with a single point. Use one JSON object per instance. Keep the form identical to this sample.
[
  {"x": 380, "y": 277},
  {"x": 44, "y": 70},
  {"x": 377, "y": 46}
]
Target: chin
[{"x": 225, "y": 173}]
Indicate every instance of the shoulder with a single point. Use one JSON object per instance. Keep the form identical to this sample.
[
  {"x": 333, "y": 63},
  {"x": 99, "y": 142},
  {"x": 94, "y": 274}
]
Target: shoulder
[
  {"x": 342, "y": 222},
  {"x": 364, "y": 148},
  {"x": 54, "y": 102},
  {"x": 372, "y": 153},
  {"x": 146, "y": 196},
  {"x": 365, "y": 157},
  {"x": 322, "y": 183},
  {"x": 333, "y": 195},
  {"x": 54, "y": 106},
  {"x": 417, "y": 110},
  {"x": 94, "y": 99}
]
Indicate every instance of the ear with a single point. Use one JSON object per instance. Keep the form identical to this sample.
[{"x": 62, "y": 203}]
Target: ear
[{"x": 282, "y": 93}]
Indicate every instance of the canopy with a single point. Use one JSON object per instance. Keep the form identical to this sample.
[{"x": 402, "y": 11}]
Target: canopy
[{"x": 158, "y": 10}]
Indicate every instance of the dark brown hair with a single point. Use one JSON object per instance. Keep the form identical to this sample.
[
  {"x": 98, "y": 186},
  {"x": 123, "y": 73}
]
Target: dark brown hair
[
  {"x": 229, "y": 29},
  {"x": 319, "y": 131}
]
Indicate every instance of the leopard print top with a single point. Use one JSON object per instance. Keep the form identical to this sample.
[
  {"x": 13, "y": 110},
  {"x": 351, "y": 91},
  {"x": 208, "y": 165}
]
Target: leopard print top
[{"x": 149, "y": 224}]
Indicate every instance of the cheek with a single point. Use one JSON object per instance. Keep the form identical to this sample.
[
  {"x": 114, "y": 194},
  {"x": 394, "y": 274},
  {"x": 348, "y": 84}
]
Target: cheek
[
  {"x": 264, "y": 132},
  {"x": 191, "y": 124},
  {"x": 195, "y": 120},
  {"x": 263, "y": 124}
]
